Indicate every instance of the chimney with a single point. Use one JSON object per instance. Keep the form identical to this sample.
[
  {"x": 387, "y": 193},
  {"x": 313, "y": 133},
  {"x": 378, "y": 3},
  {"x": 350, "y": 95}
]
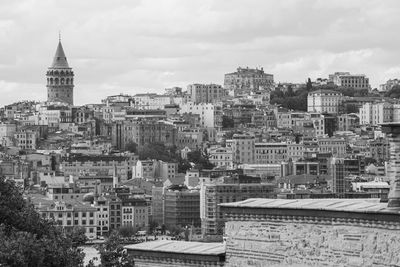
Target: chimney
[{"x": 392, "y": 131}]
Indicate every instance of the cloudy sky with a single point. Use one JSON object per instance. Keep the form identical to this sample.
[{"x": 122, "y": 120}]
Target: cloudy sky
[{"x": 145, "y": 46}]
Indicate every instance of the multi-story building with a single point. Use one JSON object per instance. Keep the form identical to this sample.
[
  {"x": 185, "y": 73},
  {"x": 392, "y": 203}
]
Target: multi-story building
[
  {"x": 181, "y": 206},
  {"x": 376, "y": 113},
  {"x": 115, "y": 218},
  {"x": 205, "y": 93},
  {"x": 142, "y": 132},
  {"x": 135, "y": 213},
  {"x": 324, "y": 101},
  {"x": 221, "y": 157},
  {"x": 345, "y": 79},
  {"x": 215, "y": 191},
  {"x": 151, "y": 101},
  {"x": 79, "y": 165},
  {"x": 242, "y": 146},
  {"x": 295, "y": 151},
  {"x": 70, "y": 214},
  {"x": 26, "y": 139},
  {"x": 210, "y": 114},
  {"x": 337, "y": 171},
  {"x": 348, "y": 122},
  {"x": 191, "y": 138},
  {"x": 155, "y": 170},
  {"x": 336, "y": 146},
  {"x": 379, "y": 149},
  {"x": 103, "y": 215},
  {"x": 245, "y": 80},
  {"x": 7, "y": 131},
  {"x": 270, "y": 153}
]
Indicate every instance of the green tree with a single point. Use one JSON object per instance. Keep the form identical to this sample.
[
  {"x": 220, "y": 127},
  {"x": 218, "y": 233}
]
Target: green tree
[
  {"x": 26, "y": 238},
  {"x": 113, "y": 254}
]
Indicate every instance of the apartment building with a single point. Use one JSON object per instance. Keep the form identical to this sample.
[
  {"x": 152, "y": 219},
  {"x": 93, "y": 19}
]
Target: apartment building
[
  {"x": 210, "y": 114},
  {"x": 134, "y": 213},
  {"x": 142, "y": 132},
  {"x": 181, "y": 206},
  {"x": 214, "y": 191},
  {"x": 270, "y": 153},
  {"x": 71, "y": 214},
  {"x": 99, "y": 165},
  {"x": 336, "y": 146},
  {"x": 221, "y": 157},
  {"x": 376, "y": 113},
  {"x": 324, "y": 101},
  {"x": 103, "y": 215},
  {"x": 205, "y": 93},
  {"x": 243, "y": 148}
]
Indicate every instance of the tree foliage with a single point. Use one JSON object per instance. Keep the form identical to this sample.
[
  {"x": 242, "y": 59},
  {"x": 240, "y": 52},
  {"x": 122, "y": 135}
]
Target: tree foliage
[
  {"x": 131, "y": 147},
  {"x": 113, "y": 254},
  {"x": 158, "y": 151},
  {"x": 394, "y": 92},
  {"x": 26, "y": 238},
  {"x": 200, "y": 160},
  {"x": 127, "y": 231}
]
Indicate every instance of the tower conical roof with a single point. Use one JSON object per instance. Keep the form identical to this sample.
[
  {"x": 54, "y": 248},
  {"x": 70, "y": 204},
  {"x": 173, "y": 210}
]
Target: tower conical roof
[{"x": 60, "y": 60}]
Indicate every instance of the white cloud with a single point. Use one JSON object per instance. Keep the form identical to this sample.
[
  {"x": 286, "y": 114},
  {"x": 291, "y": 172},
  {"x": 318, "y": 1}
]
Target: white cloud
[{"x": 130, "y": 46}]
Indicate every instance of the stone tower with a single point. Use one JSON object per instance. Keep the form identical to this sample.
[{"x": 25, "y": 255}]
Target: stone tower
[{"x": 60, "y": 79}]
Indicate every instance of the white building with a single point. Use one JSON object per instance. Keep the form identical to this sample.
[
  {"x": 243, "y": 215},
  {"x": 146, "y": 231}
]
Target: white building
[
  {"x": 376, "y": 113},
  {"x": 221, "y": 157},
  {"x": 345, "y": 79},
  {"x": 324, "y": 101},
  {"x": 210, "y": 114}
]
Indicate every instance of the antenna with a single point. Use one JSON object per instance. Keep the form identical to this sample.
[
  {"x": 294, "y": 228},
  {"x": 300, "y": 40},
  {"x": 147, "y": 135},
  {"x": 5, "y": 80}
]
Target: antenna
[{"x": 59, "y": 36}]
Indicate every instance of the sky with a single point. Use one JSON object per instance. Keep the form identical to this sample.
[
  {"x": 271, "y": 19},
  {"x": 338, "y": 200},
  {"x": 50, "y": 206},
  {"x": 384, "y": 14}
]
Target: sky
[{"x": 146, "y": 46}]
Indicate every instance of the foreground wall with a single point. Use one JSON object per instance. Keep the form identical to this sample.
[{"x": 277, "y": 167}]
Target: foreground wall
[{"x": 315, "y": 241}]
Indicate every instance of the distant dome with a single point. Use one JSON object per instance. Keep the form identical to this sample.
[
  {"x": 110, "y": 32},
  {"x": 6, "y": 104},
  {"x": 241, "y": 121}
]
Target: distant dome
[{"x": 89, "y": 197}]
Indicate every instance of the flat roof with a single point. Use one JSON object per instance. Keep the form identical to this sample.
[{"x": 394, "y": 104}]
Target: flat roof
[
  {"x": 180, "y": 247},
  {"x": 329, "y": 204}
]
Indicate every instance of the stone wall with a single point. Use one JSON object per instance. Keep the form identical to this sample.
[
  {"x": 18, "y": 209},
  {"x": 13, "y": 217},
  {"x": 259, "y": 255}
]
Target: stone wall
[{"x": 322, "y": 242}]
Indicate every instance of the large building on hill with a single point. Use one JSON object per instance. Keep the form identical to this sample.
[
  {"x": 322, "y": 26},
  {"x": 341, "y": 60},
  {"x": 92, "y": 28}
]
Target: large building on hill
[
  {"x": 60, "y": 79},
  {"x": 246, "y": 80},
  {"x": 345, "y": 79}
]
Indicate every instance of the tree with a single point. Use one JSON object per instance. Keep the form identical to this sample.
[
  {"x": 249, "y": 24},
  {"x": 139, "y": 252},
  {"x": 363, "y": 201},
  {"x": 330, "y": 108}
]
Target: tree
[
  {"x": 227, "y": 122},
  {"x": 394, "y": 92},
  {"x": 112, "y": 253},
  {"x": 77, "y": 236},
  {"x": 200, "y": 160},
  {"x": 131, "y": 147},
  {"x": 26, "y": 238},
  {"x": 158, "y": 151},
  {"x": 127, "y": 231}
]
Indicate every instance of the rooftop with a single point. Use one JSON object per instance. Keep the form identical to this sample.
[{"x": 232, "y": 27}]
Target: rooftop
[
  {"x": 339, "y": 205},
  {"x": 180, "y": 247}
]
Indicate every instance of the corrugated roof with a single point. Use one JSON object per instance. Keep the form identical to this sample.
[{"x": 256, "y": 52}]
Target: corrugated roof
[
  {"x": 181, "y": 247},
  {"x": 347, "y": 205}
]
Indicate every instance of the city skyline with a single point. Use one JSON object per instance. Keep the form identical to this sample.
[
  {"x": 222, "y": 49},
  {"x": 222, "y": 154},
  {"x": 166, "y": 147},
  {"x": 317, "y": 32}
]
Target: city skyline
[{"x": 146, "y": 46}]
